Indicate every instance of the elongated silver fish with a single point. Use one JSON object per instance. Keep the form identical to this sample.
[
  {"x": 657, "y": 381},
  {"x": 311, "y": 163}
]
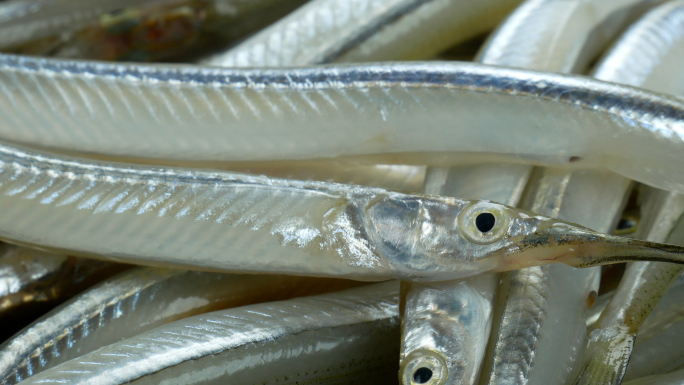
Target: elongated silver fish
[
  {"x": 659, "y": 346},
  {"x": 134, "y": 302},
  {"x": 542, "y": 330},
  {"x": 340, "y": 338},
  {"x": 528, "y": 40},
  {"x": 445, "y": 330},
  {"x": 542, "y": 302},
  {"x": 383, "y": 110},
  {"x": 325, "y": 31},
  {"x": 650, "y": 51},
  {"x": 643, "y": 284},
  {"x": 237, "y": 222}
]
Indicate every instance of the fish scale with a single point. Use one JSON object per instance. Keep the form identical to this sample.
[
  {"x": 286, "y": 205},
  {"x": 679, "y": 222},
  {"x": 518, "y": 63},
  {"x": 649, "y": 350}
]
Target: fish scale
[{"x": 374, "y": 97}]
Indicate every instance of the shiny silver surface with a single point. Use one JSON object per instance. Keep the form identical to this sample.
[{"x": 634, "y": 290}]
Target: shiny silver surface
[
  {"x": 650, "y": 51},
  {"x": 643, "y": 284},
  {"x": 539, "y": 35},
  {"x": 541, "y": 331},
  {"x": 325, "y": 31},
  {"x": 659, "y": 344},
  {"x": 239, "y": 222},
  {"x": 342, "y": 111},
  {"x": 134, "y": 302},
  {"x": 449, "y": 321},
  {"x": 463, "y": 307},
  {"x": 346, "y": 337}
]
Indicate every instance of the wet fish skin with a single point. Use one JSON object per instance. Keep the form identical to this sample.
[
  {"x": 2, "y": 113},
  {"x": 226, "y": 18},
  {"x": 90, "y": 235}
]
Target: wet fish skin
[
  {"x": 657, "y": 348},
  {"x": 650, "y": 50},
  {"x": 643, "y": 284},
  {"x": 232, "y": 114},
  {"x": 526, "y": 39},
  {"x": 350, "y": 336},
  {"x": 137, "y": 301},
  {"x": 325, "y": 31},
  {"x": 250, "y": 223},
  {"x": 444, "y": 328},
  {"x": 538, "y": 301},
  {"x": 463, "y": 307},
  {"x": 541, "y": 35}
]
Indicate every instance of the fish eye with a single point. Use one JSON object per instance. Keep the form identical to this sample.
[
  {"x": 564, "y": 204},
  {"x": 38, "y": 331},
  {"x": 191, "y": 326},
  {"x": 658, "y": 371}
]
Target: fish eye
[
  {"x": 424, "y": 367},
  {"x": 483, "y": 222},
  {"x": 422, "y": 375}
]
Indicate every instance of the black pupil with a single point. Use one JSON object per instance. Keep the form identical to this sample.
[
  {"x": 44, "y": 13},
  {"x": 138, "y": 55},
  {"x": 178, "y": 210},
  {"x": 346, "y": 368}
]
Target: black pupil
[
  {"x": 422, "y": 375},
  {"x": 485, "y": 222},
  {"x": 625, "y": 223}
]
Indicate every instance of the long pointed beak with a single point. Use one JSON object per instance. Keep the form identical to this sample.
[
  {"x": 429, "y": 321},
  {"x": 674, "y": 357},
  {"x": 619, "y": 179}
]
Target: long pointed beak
[{"x": 580, "y": 247}]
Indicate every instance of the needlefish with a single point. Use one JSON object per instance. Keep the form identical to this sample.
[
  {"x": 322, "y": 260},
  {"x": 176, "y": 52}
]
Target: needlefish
[
  {"x": 379, "y": 111},
  {"x": 137, "y": 301},
  {"x": 643, "y": 284},
  {"x": 537, "y": 313},
  {"x": 243, "y": 223},
  {"x": 659, "y": 346},
  {"x": 349, "y": 337},
  {"x": 324, "y": 31}
]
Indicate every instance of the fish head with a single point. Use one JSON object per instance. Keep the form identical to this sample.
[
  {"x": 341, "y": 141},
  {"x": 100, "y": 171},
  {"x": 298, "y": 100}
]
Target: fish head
[{"x": 442, "y": 238}]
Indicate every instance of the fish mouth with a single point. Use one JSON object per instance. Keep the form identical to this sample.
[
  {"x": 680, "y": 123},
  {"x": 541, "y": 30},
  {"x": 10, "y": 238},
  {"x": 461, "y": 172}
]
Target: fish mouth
[{"x": 577, "y": 246}]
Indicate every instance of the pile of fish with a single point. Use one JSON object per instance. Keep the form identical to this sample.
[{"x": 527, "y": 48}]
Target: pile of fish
[{"x": 224, "y": 214}]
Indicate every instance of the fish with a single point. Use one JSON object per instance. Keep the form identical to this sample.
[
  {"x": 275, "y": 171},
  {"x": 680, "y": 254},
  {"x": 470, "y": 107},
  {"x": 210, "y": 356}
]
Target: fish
[
  {"x": 194, "y": 218},
  {"x": 658, "y": 345},
  {"x": 528, "y": 40},
  {"x": 339, "y": 338},
  {"x": 643, "y": 284},
  {"x": 325, "y": 31},
  {"x": 445, "y": 327},
  {"x": 613, "y": 334},
  {"x": 649, "y": 50},
  {"x": 135, "y": 30},
  {"x": 541, "y": 329},
  {"x": 539, "y": 35},
  {"x": 33, "y": 282},
  {"x": 137, "y": 301},
  {"x": 366, "y": 111}
]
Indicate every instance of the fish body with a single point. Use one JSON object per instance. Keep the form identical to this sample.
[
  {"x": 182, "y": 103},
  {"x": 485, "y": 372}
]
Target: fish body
[
  {"x": 643, "y": 284},
  {"x": 650, "y": 50},
  {"x": 247, "y": 223},
  {"x": 357, "y": 111},
  {"x": 325, "y": 31},
  {"x": 339, "y": 338},
  {"x": 134, "y": 302},
  {"x": 538, "y": 301},
  {"x": 541, "y": 35}
]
